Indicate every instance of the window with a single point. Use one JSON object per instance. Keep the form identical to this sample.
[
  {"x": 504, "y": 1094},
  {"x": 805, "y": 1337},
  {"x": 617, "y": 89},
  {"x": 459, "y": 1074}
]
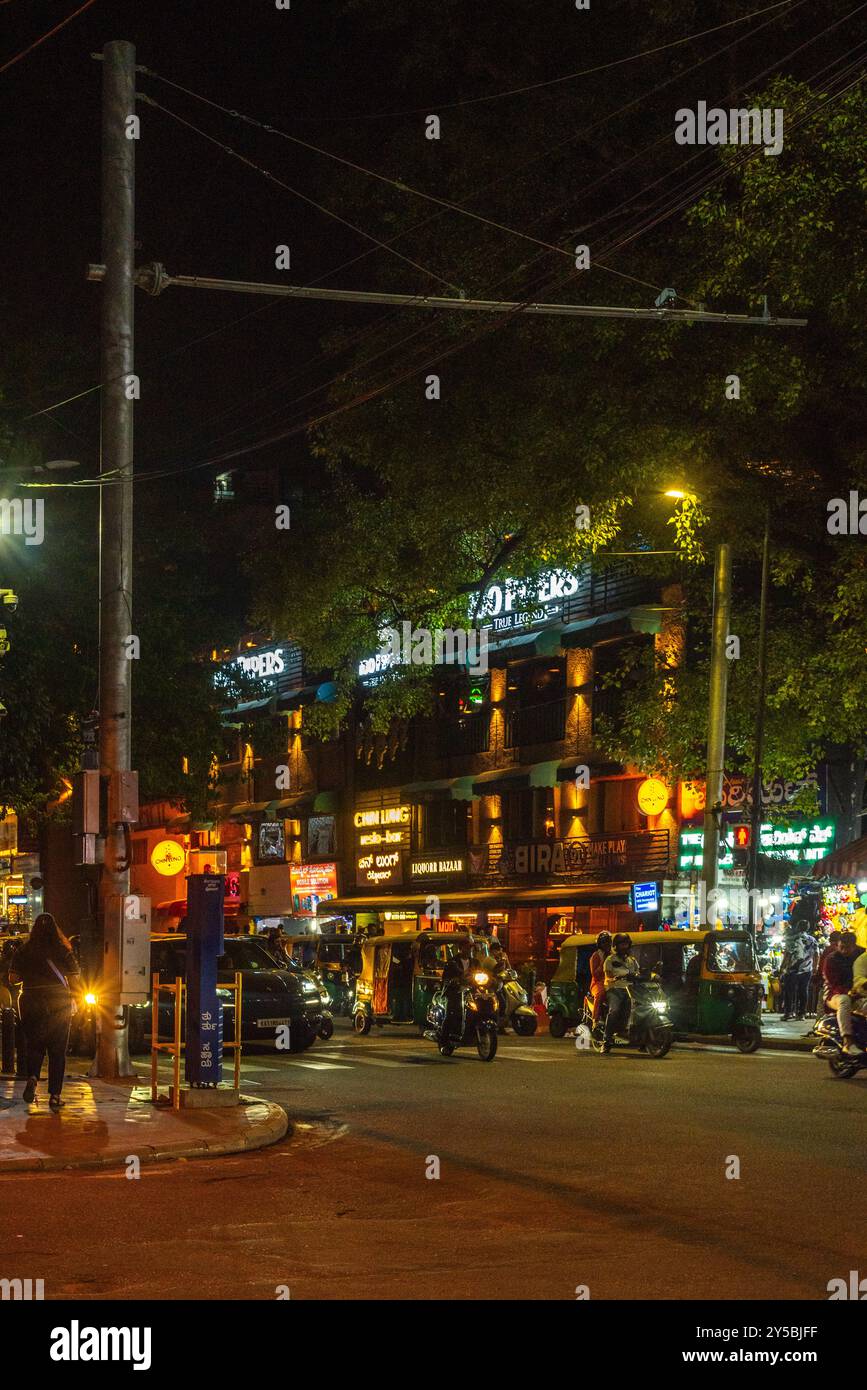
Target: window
[
  {"x": 440, "y": 824},
  {"x": 224, "y": 487}
]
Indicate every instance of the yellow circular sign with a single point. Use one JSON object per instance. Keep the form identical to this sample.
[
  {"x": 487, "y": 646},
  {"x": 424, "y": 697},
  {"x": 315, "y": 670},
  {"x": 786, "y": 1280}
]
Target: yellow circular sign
[
  {"x": 653, "y": 796},
  {"x": 168, "y": 858}
]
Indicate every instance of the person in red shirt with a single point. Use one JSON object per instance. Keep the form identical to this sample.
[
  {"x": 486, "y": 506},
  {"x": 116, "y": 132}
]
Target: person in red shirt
[{"x": 597, "y": 972}]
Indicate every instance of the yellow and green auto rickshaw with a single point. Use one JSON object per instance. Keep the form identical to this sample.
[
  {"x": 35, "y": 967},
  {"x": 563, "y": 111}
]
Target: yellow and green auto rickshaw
[
  {"x": 334, "y": 960},
  {"x": 399, "y": 975},
  {"x": 569, "y": 984},
  {"x": 710, "y": 979}
]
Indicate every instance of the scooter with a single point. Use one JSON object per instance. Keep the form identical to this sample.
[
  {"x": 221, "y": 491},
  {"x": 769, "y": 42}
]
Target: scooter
[
  {"x": 478, "y": 1017},
  {"x": 514, "y": 1007},
  {"x": 647, "y": 1026},
  {"x": 830, "y": 1045}
]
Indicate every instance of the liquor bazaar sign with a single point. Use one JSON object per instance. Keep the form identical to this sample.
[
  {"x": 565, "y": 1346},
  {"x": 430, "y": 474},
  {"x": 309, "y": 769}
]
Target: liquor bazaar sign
[{"x": 438, "y": 866}]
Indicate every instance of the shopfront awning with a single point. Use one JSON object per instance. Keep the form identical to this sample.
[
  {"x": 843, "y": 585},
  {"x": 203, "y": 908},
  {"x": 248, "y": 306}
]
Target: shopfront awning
[
  {"x": 621, "y": 623},
  {"x": 847, "y": 864},
  {"x": 508, "y": 779},
  {"x": 523, "y": 646},
  {"x": 441, "y": 789},
  {"x": 291, "y": 806},
  {"x": 496, "y": 898}
]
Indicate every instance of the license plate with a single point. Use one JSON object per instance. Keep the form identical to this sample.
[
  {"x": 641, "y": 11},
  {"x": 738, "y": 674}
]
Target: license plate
[{"x": 271, "y": 1022}]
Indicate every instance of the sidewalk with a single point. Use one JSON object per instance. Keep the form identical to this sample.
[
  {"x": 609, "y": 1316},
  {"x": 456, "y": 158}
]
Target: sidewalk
[
  {"x": 790, "y": 1036},
  {"x": 104, "y": 1123}
]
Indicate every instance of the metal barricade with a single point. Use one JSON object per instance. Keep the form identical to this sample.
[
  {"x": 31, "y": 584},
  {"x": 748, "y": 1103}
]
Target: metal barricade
[{"x": 175, "y": 1048}]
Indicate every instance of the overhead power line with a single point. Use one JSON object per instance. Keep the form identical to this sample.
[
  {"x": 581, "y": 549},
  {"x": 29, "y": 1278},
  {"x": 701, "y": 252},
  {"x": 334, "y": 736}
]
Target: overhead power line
[
  {"x": 23, "y": 54},
  {"x": 551, "y": 81}
]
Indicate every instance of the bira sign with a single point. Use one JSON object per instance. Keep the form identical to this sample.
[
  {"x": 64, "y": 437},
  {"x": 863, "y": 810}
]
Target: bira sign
[{"x": 564, "y": 856}]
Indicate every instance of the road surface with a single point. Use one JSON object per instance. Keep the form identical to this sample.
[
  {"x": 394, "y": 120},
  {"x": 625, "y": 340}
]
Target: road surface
[{"x": 557, "y": 1170}]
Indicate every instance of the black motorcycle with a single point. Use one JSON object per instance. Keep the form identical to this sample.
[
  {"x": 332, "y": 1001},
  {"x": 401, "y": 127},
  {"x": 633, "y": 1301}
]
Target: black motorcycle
[
  {"x": 474, "y": 1023},
  {"x": 830, "y": 1046},
  {"x": 647, "y": 1024}
]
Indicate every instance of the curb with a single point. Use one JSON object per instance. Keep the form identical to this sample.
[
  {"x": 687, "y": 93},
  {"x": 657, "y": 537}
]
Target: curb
[{"x": 272, "y": 1127}]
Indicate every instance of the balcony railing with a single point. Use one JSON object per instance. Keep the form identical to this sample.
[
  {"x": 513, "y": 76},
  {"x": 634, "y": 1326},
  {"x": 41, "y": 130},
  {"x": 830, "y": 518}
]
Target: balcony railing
[
  {"x": 531, "y": 724},
  {"x": 465, "y": 736},
  {"x": 623, "y": 855}
]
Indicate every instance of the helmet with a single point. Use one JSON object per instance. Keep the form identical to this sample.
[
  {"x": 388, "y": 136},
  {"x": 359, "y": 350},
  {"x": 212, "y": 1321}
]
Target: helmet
[
  {"x": 622, "y": 938},
  {"x": 604, "y": 938}
]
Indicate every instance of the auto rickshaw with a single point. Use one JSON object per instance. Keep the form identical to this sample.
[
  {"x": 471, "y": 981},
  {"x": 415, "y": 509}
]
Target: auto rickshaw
[
  {"x": 710, "y": 979},
  {"x": 713, "y": 985},
  {"x": 399, "y": 975},
  {"x": 569, "y": 984},
  {"x": 335, "y": 961}
]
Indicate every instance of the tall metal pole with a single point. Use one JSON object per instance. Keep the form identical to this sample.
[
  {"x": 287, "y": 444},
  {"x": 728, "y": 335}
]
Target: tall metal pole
[
  {"x": 716, "y": 721},
  {"x": 115, "y": 560},
  {"x": 759, "y": 744}
]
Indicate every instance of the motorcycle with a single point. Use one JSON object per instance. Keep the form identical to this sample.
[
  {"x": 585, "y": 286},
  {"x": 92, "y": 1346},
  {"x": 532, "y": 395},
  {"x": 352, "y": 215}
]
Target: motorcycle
[
  {"x": 478, "y": 1017},
  {"x": 514, "y": 1006},
  {"x": 647, "y": 1026},
  {"x": 830, "y": 1045}
]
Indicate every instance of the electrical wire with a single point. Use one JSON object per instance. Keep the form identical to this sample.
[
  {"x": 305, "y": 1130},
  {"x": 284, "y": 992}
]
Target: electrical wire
[
  {"x": 652, "y": 217},
  {"x": 550, "y": 82},
  {"x": 272, "y": 178},
  {"x": 51, "y": 32},
  {"x": 484, "y": 188}
]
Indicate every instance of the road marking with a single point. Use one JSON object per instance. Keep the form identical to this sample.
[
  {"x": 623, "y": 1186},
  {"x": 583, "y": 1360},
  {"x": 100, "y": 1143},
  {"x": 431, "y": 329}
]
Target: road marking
[
  {"x": 316, "y": 1066},
  {"x": 363, "y": 1060}
]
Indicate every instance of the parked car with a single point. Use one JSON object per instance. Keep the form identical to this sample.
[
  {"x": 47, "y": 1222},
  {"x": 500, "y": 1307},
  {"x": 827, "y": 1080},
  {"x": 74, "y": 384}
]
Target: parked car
[{"x": 270, "y": 996}]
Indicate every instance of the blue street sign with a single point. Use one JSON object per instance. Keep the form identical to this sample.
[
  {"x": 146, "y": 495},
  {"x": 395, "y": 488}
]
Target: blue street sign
[
  {"x": 204, "y": 1051},
  {"x": 645, "y": 897}
]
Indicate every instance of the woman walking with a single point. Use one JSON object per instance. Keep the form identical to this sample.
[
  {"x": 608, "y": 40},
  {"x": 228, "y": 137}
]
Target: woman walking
[{"x": 45, "y": 966}]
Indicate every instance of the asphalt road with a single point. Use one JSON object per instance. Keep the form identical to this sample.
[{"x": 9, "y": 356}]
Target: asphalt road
[{"x": 557, "y": 1169}]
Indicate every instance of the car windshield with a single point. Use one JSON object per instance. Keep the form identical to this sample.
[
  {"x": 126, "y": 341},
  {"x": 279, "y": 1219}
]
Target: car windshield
[
  {"x": 244, "y": 954},
  {"x": 731, "y": 957}
]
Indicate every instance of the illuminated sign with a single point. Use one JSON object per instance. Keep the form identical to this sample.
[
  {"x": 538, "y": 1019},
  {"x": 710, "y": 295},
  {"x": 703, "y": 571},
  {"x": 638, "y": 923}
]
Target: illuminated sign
[
  {"x": 272, "y": 841},
  {"x": 737, "y": 794},
  {"x": 653, "y": 796},
  {"x": 388, "y": 815},
  {"x": 378, "y": 868},
  {"x": 645, "y": 897},
  {"x": 311, "y": 884},
  {"x": 801, "y": 842},
  {"x": 263, "y": 664},
  {"x": 168, "y": 858},
  {"x": 438, "y": 866}
]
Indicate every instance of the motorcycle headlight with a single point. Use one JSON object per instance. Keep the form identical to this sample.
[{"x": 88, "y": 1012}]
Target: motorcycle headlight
[
  {"x": 91, "y": 999},
  {"x": 481, "y": 977},
  {"x": 660, "y": 1006}
]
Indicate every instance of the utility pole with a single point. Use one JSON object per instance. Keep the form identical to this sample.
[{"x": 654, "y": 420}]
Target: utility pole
[
  {"x": 115, "y": 551},
  {"x": 759, "y": 742},
  {"x": 716, "y": 722}
]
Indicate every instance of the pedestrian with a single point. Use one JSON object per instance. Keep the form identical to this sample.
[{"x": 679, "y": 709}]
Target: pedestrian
[
  {"x": 48, "y": 972},
  {"x": 597, "y": 973}
]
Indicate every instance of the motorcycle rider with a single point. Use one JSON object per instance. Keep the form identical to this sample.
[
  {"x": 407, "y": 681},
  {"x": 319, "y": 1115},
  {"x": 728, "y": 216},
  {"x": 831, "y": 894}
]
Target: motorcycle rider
[
  {"x": 620, "y": 969},
  {"x": 597, "y": 973},
  {"x": 456, "y": 974},
  {"x": 839, "y": 972}
]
